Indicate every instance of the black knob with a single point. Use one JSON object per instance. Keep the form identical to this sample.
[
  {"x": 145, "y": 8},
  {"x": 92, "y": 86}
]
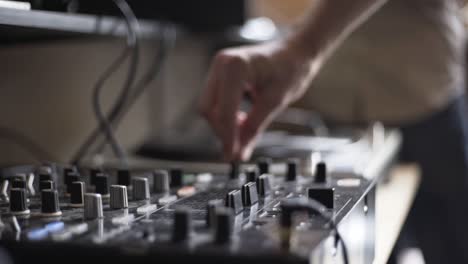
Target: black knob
[
  {"x": 325, "y": 196},
  {"x": 18, "y": 203},
  {"x": 249, "y": 194},
  {"x": 71, "y": 178},
  {"x": 93, "y": 173},
  {"x": 263, "y": 185},
  {"x": 263, "y": 165},
  {"x": 176, "y": 177},
  {"x": 182, "y": 225},
  {"x": 102, "y": 184},
  {"x": 211, "y": 208},
  {"x": 50, "y": 202},
  {"x": 18, "y": 183},
  {"x": 234, "y": 201},
  {"x": 224, "y": 225},
  {"x": 124, "y": 177},
  {"x": 234, "y": 171},
  {"x": 77, "y": 191},
  {"x": 46, "y": 185},
  {"x": 161, "y": 182},
  {"x": 320, "y": 173},
  {"x": 291, "y": 173},
  {"x": 69, "y": 171},
  {"x": 251, "y": 174},
  {"x": 45, "y": 174}
]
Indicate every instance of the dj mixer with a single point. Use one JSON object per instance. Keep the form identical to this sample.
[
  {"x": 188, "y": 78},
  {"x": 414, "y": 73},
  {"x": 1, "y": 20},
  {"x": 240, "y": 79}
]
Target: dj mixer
[{"x": 303, "y": 209}]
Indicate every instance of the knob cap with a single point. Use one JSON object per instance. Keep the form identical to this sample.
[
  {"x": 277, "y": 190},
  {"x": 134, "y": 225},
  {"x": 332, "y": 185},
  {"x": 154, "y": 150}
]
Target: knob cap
[
  {"x": 234, "y": 171},
  {"x": 118, "y": 197},
  {"x": 182, "y": 225},
  {"x": 70, "y": 178},
  {"x": 46, "y": 185},
  {"x": 18, "y": 183},
  {"x": 50, "y": 203},
  {"x": 69, "y": 171},
  {"x": 249, "y": 194},
  {"x": 263, "y": 165},
  {"x": 176, "y": 178},
  {"x": 93, "y": 173},
  {"x": 224, "y": 225},
  {"x": 251, "y": 174},
  {"x": 140, "y": 188},
  {"x": 93, "y": 206},
  {"x": 161, "y": 181},
  {"x": 320, "y": 173},
  {"x": 211, "y": 208},
  {"x": 234, "y": 201},
  {"x": 291, "y": 173},
  {"x": 325, "y": 196},
  {"x": 45, "y": 173},
  {"x": 102, "y": 184},
  {"x": 263, "y": 185},
  {"x": 77, "y": 191},
  {"x": 18, "y": 203},
  {"x": 124, "y": 177}
]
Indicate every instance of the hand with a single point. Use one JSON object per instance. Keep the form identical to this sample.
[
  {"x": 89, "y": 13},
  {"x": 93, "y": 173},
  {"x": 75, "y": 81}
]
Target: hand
[{"x": 274, "y": 74}]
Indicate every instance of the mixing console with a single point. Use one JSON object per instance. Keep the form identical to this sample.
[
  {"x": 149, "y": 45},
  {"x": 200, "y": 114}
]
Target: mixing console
[{"x": 268, "y": 212}]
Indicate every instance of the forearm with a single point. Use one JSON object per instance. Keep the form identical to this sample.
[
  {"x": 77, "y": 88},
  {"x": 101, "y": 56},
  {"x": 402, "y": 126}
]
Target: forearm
[{"x": 329, "y": 23}]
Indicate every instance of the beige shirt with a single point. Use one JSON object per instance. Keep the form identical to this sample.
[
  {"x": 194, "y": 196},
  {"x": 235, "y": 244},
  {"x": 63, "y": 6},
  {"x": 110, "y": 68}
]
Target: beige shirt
[{"x": 404, "y": 63}]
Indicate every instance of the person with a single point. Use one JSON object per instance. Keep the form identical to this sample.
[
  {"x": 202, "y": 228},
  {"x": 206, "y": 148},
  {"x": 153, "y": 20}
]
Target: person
[{"x": 397, "y": 61}]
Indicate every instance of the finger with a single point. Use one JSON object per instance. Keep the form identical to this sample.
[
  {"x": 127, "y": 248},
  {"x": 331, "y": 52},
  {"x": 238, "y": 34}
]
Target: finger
[
  {"x": 258, "y": 119},
  {"x": 207, "y": 100},
  {"x": 233, "y": 81}
]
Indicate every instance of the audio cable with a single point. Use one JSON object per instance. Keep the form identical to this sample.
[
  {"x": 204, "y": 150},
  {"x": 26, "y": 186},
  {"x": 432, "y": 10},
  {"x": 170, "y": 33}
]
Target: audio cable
[{"x": 132, "y": 48}]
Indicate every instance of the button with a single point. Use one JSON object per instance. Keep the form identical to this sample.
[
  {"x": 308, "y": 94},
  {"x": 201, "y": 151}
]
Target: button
[
  {"x": 263, "y": 185},
  {"x": 161, "y": 181},
  {"x": 118, "y": 197},
  {"x": 224, "y": 225},
  {"x": 124, "y": 177},
  {"x": 182, "y": 225},
  {"x": 251, "y": 174},
  {"x": 77, "y": 191},
  {"x": 37, "y": 234},
  {"x": 140, "y": 188},
  {"x": 211, "y": 208},
  {"x": 18, "y": 205},
  {"x": 50, "y": 203},
  {"x": 325, "y": 196},
  {"x": 234, "y": 171},
  {"x": 234, "y": 201},
  {"x": 320, "y": 173},
  {"x": 93, "y": 206},
  {"x": 263, "y": 165},
  {"x": 291, "y": 173},
  {"x": 249, "y": 194},
  {"x": 176, "y": 177},
  {"x": 55, "y": 227},
  {"x": 147, "y": 208},
  {"x": 102, "y": 184},
  {"x": 71, "y": 177},
  {"x": 46, "y": 185}
]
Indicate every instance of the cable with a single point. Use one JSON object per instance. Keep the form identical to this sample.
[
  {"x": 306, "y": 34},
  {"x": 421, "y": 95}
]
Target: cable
[
  {"x": 290, "y": 206},
  {"x": 166, "y": 43},
  {"x": 132, "y": 24},
  {"x": 132, "y": 46},
  {"x": 26, "y": 143}
]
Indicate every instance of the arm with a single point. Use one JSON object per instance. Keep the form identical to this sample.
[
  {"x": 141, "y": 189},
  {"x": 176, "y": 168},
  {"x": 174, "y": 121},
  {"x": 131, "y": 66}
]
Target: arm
[{"x": 275, "y": 73}]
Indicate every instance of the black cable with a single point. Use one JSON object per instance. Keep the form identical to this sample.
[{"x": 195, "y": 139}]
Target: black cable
[
  {"x": 167, "y": 41},
  {"x": 132, "y": 46},
  {"x": 25, "y": 143},
  {"x": 132, "y": 24},
  {"x": 290, "y": 206}
]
